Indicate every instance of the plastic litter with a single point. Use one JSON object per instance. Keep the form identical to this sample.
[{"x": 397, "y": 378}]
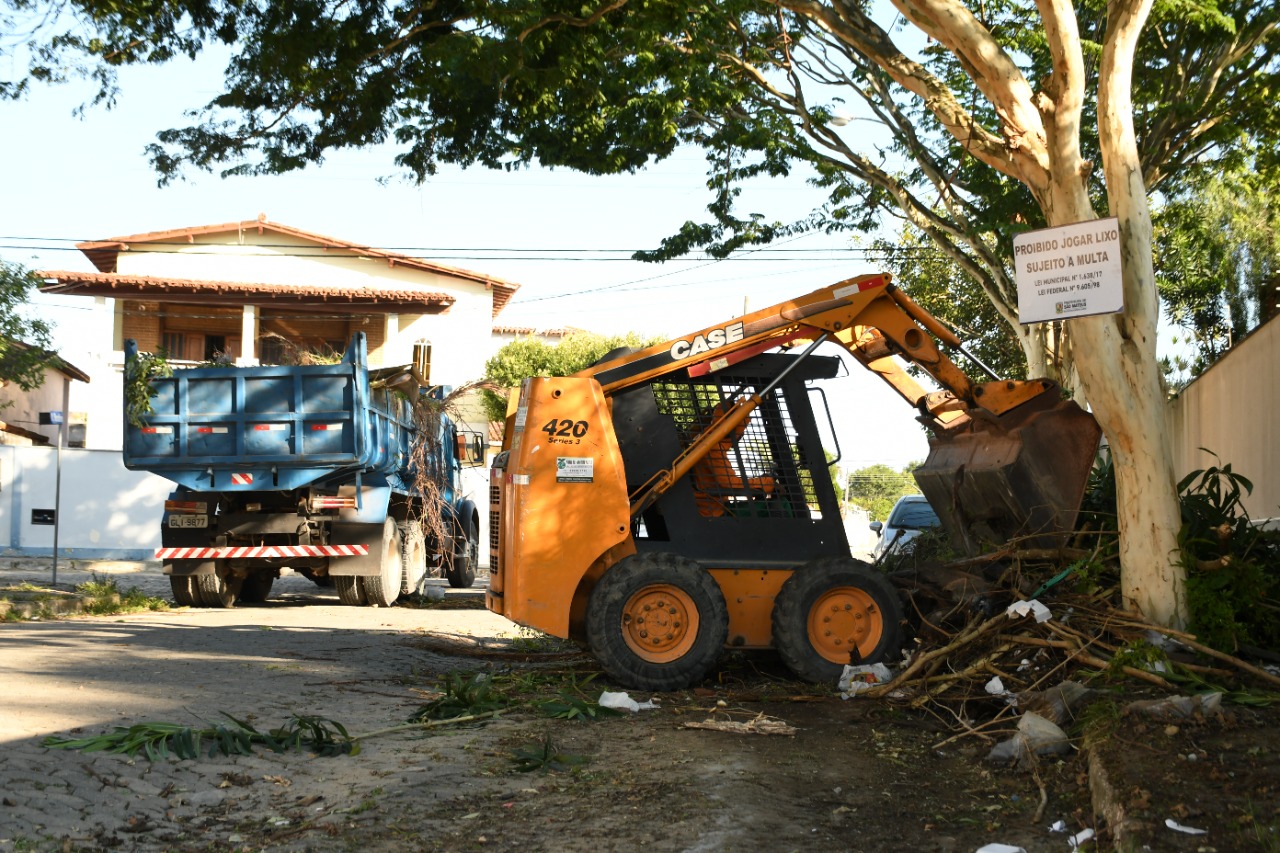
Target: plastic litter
[
  {"x": 1000, "y": 848},
  {"x": 1080, "y": 838},
  {"x": 1036, "y": 736},
  {"x": 1058, "y": 703},
  {"x": 1032, "y": 607},
  {"x": 855, "y": 679},
  {"x": 1178, "y": 707},
  {"x": 623, "y": 702},
  {"x": 995, "y": 686},
  {"x": 1189, "y": 830}
]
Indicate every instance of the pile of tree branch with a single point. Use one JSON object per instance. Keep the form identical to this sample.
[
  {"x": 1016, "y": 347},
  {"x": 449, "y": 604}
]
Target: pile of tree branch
[{"x": 977, "y": 661}]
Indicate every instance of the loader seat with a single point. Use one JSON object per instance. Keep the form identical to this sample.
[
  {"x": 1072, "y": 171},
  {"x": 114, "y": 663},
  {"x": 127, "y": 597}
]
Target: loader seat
[{"x": 715, "y": 481}]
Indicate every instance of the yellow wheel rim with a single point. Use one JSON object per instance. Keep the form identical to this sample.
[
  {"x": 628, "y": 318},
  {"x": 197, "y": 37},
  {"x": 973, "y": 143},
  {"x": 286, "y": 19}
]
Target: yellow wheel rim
[
  {"x": 660, "y": 623},
  {"x": 843, "y": 619}
]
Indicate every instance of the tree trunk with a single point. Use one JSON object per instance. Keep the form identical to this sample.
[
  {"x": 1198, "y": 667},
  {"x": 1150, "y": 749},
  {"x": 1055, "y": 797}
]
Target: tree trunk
[{"x": 1122, "y": 377}]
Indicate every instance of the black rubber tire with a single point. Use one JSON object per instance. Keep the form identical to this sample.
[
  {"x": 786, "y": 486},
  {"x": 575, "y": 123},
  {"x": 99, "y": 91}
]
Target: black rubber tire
[
  {"x": 382, "y": 589},
  {"x": 350, "y": 590},
  {"x": 461, "y": 573},
  {"x": 215, "y": 590},
  {"x": 614, "y": 635},
  {"x": 414, "y": 548},
  {"x": 256, "y": 588},
  {"x": 184, "y": 590},
  {"x": 865, "y": 606}
]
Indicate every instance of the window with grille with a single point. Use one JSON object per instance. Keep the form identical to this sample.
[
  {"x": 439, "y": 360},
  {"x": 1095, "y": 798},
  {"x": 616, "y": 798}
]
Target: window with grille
[{"x": 757, "y": 471}]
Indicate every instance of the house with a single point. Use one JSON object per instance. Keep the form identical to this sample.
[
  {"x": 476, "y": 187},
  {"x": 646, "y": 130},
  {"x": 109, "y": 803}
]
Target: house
[
  {"x": 21, "y": 411},
  {"x": 256, "y": 291}
]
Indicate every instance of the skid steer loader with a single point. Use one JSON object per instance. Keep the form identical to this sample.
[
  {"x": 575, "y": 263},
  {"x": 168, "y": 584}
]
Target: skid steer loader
[{"x": 665, "y": 504}]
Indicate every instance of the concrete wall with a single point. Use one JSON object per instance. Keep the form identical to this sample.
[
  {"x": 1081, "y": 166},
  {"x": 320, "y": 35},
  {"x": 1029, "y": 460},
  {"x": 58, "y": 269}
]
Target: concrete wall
[
  {"x": 104, "y": 511},
  {"x": 108, "y": 512},
  {"x": 1233, "y": 410}
]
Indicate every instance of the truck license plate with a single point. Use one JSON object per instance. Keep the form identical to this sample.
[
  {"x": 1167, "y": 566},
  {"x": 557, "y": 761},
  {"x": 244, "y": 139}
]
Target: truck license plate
[{"x": 188, "y": 521}]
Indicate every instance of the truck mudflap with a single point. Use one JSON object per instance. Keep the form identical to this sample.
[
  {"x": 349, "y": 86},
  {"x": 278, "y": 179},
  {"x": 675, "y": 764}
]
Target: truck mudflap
[
  {"x": 1014, "y": 477},
  {"x": 261, "y": 552}
]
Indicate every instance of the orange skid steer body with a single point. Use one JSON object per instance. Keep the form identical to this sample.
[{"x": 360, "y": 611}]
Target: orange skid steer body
[{"x": 667, "y": 503}]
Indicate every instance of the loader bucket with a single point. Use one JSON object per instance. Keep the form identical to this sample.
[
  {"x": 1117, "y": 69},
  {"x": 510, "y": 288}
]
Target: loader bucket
[{"x": 1018, "y": 476}]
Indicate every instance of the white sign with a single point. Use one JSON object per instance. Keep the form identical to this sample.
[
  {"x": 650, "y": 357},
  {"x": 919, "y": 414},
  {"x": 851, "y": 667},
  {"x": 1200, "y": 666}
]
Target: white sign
[
  {"x": 1068, "y": 271},
  {"x": 575, "y": 469}
]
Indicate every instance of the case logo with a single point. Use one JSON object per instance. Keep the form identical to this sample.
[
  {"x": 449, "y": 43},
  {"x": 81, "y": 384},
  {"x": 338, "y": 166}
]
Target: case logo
[{"x": 714, "y": 339}]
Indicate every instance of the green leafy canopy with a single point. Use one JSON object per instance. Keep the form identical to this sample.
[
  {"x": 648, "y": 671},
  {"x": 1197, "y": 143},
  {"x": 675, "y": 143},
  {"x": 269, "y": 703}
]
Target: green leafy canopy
[
  {"x": 24, "y": 340},
  {"x": 532, "y": 356},
  {"x": 607, "y": 87}
]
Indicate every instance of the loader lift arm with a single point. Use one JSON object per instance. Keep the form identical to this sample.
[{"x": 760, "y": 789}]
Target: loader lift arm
[
  {"x": 868, "y": 316},
  {"x": 976, "y": 471}
]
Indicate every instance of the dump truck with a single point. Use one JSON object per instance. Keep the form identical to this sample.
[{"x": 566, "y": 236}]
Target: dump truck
[
  {"x": 668, "y": 503},
  {"x": 347, "y": 475}
]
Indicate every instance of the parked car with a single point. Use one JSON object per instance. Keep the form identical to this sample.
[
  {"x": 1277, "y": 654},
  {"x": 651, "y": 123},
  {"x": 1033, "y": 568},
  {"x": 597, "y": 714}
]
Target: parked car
[{"x": 910, "y": 517}]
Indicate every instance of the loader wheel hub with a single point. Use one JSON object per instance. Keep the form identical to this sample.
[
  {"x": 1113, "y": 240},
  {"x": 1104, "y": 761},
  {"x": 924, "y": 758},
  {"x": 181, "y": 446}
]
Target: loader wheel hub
[
  {"x": 660, "y": 623},
  {"x": 842, "y": 620}
]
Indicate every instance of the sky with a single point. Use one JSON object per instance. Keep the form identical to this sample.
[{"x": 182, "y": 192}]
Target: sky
[{"x": 562, "y": 236}]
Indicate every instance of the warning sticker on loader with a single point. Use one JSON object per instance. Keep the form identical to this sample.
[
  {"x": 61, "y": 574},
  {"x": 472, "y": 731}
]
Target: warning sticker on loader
[{"x": 575, "y": 469}]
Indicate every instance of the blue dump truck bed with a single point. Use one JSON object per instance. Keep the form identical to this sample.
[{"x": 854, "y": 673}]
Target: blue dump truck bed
[
  {"x": 272, "y": 428},
  {"x": 326, "y": 470}
]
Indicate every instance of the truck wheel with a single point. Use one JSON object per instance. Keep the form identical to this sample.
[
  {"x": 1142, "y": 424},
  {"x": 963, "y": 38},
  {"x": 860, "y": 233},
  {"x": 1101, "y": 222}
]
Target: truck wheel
[
  {"x": 832, "y": 612},
  {"x": 256, "y": 587},
  {"x": 415, "y": 556},
  {"x": 350, "y": 590},
  {"x": 462, "y": 572},
  {"x": 383, "y": 589},
  {"x": 184, "y": 590},
  {"x": 657, "y": 622},
  {"x": 217, "y": 591}
]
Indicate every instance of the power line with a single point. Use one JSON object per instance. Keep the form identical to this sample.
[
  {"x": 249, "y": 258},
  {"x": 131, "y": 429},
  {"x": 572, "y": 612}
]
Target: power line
[{"x": 512, "y": 253}]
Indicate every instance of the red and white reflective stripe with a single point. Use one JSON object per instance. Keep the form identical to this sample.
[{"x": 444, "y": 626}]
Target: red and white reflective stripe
[
  {"x": 241, "y": 479},
  {"x": 253, "y": 552},
  {"x": 211, "y": 429},
  {"x": 187, "y": 507},
  {"x": 157, "y": 430},
  {"x": 325, "y": 427},
  {"x": 858, "y": 287},
  {"x": 270, "y": 427},
  {"x": 333, "y": 503}
]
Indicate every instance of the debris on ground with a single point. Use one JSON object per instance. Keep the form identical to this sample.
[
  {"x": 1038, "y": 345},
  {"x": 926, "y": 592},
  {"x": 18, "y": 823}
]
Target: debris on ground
[{"x": 758, "y": 725}]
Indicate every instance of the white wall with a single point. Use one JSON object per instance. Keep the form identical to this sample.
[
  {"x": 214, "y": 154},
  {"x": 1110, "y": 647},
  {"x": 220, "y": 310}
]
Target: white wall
[
  {"x": 1233, "y": 411},
  {"x": 109, "y": 512},
  {"x": 23, "y": 408},
  {"x": 104, "y": 510}
]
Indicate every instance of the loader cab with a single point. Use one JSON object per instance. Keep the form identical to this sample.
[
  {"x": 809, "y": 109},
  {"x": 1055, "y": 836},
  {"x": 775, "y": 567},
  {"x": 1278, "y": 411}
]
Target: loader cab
[{"x": 764, "y": 498}]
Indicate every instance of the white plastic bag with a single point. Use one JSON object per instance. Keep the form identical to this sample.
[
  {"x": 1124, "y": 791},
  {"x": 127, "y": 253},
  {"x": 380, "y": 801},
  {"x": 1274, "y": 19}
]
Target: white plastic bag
[
  {"x": 1032, "y": 607},
  {"x": 624, "y": 702},
  {"x": 855, "y": 679}
]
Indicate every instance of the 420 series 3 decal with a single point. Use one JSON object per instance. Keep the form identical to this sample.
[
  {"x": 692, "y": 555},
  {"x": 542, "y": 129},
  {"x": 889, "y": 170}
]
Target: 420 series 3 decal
[{"x": 565, "y": 431}]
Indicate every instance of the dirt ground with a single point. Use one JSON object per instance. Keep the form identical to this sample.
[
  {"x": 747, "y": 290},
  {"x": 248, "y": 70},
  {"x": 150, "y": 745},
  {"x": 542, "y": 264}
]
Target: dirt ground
[{"x": 855, "y": 775}]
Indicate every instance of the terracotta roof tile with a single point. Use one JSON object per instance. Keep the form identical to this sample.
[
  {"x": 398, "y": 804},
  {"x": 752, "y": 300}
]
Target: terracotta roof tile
[
  {"x": 183, "y": 289},
  {"x": 104, "y": 253}
]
